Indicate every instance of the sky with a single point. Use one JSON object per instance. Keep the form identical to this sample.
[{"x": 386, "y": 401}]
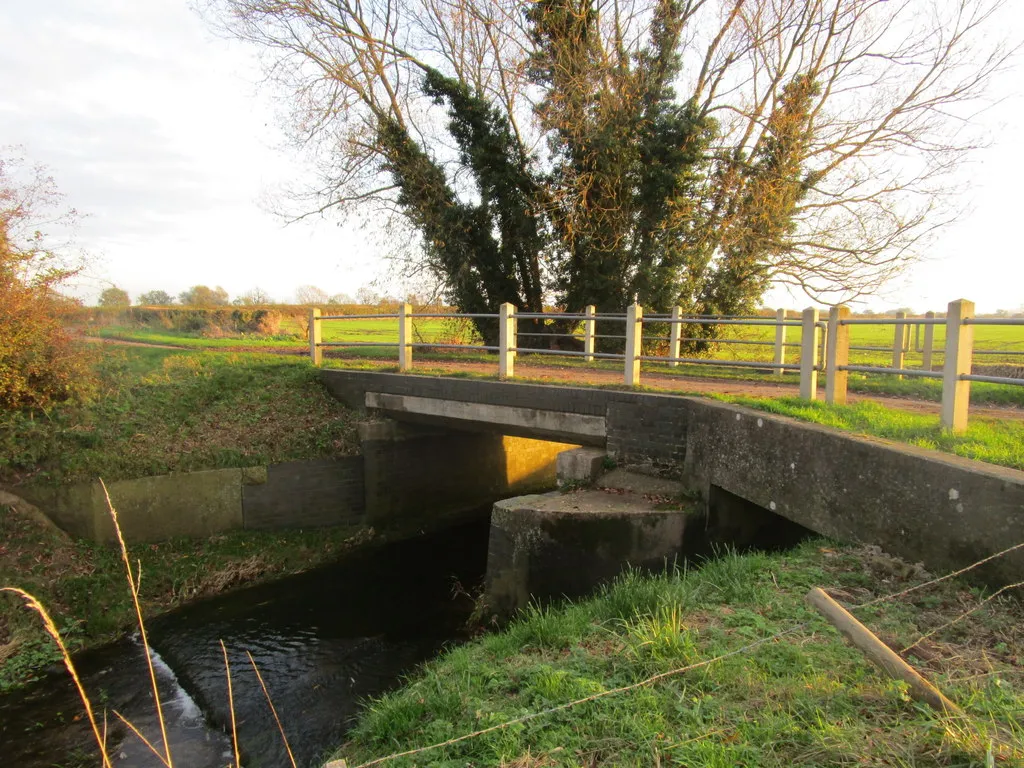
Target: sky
[{"x": 160, "y": 134}]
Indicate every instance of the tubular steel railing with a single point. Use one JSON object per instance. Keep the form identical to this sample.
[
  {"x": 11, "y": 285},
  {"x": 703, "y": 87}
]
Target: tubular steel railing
[{"x": 824, "y": 344}]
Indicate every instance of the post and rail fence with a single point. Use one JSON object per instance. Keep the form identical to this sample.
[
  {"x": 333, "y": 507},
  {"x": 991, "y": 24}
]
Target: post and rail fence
[{"x": 824, "y": 345}]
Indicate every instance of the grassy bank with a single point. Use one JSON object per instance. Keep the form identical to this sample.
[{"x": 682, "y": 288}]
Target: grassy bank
[
  {"x": 161, "y": 411},
  {"x": 84, "y": 586},
  {"x": 801, "y": 696},
  {"x": 993, "y": 440}
]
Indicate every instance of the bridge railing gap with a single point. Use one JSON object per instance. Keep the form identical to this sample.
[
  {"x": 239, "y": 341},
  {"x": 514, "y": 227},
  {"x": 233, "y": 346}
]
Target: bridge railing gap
[{"x": 825, "y": 345}]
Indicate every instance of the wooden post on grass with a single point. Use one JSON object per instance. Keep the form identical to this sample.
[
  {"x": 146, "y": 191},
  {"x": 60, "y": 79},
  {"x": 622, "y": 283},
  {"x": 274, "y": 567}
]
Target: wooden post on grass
[
  {"x": 809, "y": 355},
  {"x": 404, "y": 337},
  {"x": 588, "y": 333},
  {"x": 899, "y": 342},
  {"x": 634, "y": 344},
  {"x": 507, "y": 341},
  {"x": 929, "y": 342},
  {"x": 675, "y": 336},
  {"x": 879, "y": 653},
  {"x": 838, "y": 355},
  {"x": 956, "y": 393},
  {"x": 316, "y": 352},
  {"x": 780, "y": 340}
]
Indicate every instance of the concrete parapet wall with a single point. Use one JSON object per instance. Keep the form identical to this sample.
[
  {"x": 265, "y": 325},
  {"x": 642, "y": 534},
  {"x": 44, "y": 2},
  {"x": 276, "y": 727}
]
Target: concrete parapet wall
[{"x": 922, "y": 505}]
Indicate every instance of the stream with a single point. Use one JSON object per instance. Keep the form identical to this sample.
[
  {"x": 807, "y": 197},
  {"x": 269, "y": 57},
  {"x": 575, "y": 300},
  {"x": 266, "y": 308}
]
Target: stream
[{"x": 324, "y": 641}]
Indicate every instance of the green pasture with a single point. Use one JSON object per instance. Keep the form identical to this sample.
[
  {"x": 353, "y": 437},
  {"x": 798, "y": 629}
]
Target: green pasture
[
  {"x": 373, "y": 339},
  {"x": 992, "y": 344}
]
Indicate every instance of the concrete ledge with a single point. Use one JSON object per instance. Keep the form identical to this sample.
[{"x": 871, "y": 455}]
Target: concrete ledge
[
  {"x": 511, "y": 420},
  {"x": 580, "y": 465}
]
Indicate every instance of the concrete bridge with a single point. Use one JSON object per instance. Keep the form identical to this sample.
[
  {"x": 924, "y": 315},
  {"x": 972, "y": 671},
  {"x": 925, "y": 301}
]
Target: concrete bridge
[{"x": 922, "y": 505}]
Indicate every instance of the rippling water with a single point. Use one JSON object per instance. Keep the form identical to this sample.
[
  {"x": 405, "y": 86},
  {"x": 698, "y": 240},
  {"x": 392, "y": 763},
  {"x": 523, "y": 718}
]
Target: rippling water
[{"x": 323, "y": 641}]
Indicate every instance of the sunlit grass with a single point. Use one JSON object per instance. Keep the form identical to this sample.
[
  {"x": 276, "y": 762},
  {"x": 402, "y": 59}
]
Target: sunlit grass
[
  {"x": 806, "y": 698},
  {"x": 997, "y": 441}
]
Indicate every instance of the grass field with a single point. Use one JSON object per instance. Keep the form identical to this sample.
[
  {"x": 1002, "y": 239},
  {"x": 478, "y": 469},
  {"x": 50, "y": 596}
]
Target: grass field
[
  {"x": 163, "y": 411},
  {"x": 767, "y": 683},
  {"x": 993, "y": 344}
]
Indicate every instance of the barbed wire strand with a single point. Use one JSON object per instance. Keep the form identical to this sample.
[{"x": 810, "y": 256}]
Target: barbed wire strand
[
  {"x": 585, "y": 699},
  {"x": 965, "y": 614},
  {"x": 705, "y": 663},
  {"x": 970, "y": 567}
]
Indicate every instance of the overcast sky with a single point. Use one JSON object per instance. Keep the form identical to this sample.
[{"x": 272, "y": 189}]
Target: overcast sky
[{"x": 158, "y": 131}]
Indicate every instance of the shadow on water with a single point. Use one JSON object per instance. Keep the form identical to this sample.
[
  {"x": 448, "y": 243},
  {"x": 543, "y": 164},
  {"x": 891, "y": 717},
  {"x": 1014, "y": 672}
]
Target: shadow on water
[{"x": 324, "y": 641}]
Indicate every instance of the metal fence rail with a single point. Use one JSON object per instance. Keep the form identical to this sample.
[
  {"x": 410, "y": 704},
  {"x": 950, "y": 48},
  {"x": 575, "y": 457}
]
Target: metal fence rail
[{"x": 824, "y": 345}]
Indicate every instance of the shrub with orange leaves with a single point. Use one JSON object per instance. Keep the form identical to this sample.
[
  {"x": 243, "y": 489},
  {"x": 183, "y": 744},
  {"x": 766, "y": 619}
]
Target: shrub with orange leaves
[{"x": 40, "y": 363}]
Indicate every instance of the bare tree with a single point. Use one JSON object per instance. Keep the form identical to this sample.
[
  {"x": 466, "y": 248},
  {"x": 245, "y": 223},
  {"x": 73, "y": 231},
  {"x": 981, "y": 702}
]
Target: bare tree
[
  {"x": 892, "y": 88},
  {"x": 254, "y": 297},
  {"x": 310, "y": 294}
]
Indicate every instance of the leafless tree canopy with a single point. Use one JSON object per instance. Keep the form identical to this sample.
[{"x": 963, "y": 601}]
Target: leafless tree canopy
[{"x": 897, "y": 85}]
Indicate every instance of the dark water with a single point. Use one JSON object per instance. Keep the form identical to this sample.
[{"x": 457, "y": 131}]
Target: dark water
[{"x": 323, "y": 642}]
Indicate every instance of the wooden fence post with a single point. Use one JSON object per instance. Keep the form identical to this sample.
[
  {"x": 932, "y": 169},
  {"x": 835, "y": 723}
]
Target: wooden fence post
[
  {"x": 316, "y": 352},
  {"x": 634, "y": 343},
  {"x": 404, "y": 337},
  {"x": 507, "y": 342},
  {"x": 899, "y": 338},
  {"x": 929, "y": 340},
  {"x": 809, "y": 354},
  {"x": 838, "y": 355},
  {"x": 780, "y": 340},
  {"x": 956, "y": 393},
  {"x": 675, "y": 336},
  {"x": 588, "y": 332}
]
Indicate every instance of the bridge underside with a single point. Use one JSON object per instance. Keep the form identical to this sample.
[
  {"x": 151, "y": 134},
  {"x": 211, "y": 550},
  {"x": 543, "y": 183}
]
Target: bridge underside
[{"x": 922, "y": 505}]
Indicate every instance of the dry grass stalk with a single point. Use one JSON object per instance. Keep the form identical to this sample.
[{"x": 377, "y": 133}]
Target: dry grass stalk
[
  {"x": 231, "y": 705},
  {"x": 133, "y": 584},
  {"x": 51, "y": 629},
  {"x": 273, "y": 709}
]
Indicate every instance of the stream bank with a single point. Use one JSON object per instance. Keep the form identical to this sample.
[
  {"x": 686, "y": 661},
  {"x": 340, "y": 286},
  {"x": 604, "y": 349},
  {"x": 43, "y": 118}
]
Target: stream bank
[
  {"x": 83, "y": 583},
  {"x": 324, "y": 641},
  {"x": 769, "y": 682}
]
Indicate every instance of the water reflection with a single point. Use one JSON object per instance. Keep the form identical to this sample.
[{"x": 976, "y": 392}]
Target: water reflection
[{"x": 323, "y": 642}]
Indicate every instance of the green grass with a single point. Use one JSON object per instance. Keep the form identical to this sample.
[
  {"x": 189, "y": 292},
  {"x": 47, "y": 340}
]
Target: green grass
[
  {"x": 803, "y": 699},
  {"x": 162, "y": 411},
  {"x": 987, "y": 339},
  {"x": 993, "y": 440},
  {"x": 84, "y": 587}
]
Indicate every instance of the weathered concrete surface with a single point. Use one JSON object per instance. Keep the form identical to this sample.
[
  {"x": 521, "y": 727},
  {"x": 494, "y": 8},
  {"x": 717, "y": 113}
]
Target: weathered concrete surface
[
  {"x": 580, "y": 465},
  {"x": 158, "y": 508},
  {"x": 419, "y": 477},
  {"x": 508, "y": 420},
  {"x": 919, "y": 504},
  {"x": 308, "y": 494},
  {"x": 553, "y": 545},
  {"x": 922, "y": 505},
  {"x": 624, "y": 480},
  {"x": 200, "y": 504}
]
